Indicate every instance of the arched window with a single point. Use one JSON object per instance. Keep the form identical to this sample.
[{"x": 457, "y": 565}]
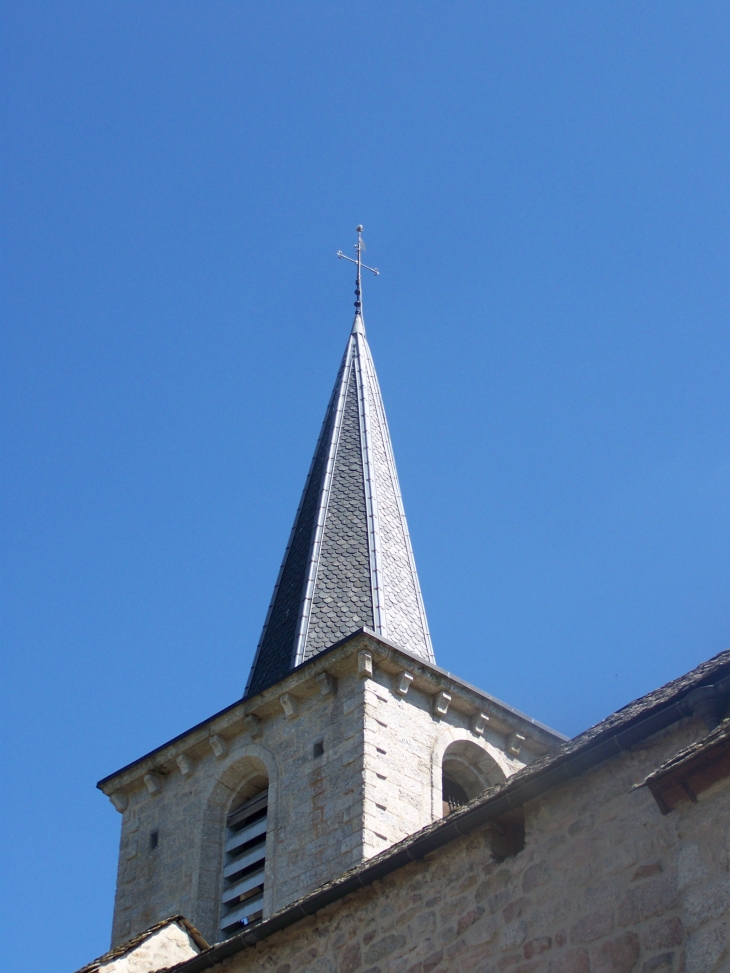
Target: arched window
[
  {"x": 466, "y": 771},
  {"x": 245, "y": 860}
]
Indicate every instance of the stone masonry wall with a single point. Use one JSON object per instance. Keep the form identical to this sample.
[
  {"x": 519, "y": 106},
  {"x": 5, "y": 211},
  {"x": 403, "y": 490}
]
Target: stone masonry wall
[
  {"x": 404, "y": 743},
  {"x": 377, "y": 781},
  {"x": 605, "y": 884}
]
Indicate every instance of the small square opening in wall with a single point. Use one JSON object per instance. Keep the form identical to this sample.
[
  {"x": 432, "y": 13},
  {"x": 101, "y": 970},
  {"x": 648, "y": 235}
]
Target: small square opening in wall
[
  {"x": 154, "y": 839},
  {"x": 318, "y": 748}
]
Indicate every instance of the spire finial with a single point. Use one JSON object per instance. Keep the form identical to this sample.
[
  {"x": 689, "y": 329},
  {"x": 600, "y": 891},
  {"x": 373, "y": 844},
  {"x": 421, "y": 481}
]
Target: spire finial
[{"x": 359, "y": 246}]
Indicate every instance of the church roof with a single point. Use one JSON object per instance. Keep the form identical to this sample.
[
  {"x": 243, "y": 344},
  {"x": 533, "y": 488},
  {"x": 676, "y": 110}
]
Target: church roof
[{"x": 348, "y": 563}]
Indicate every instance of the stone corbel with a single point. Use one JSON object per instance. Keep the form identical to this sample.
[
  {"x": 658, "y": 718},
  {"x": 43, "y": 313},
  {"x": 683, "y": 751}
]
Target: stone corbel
[
  {"x": 365, "y": 664},
  {"x": 185, "y": 764},
  {"x": 218, "y": 745},
  {"x": 120, "y": 802},
  {"x": 441, "y": 704},
  {"x": 404, "y": 683},
  {"x": 290, "y": 705},
  {"x": 153, "y": 783},
  {"x": 326, "y": 684},
  {"x": 514, "y": 743},
  {"x": 253, "y": 725},
  {"x": 478, "y": 723}
]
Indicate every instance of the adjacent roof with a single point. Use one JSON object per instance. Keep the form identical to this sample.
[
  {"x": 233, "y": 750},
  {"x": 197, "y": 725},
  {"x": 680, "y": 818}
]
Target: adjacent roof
[
  {"x": 131, "y": 944},
  {"x": 618, "y": 733},
  {"x": 692, "y": 771},
  {"x": 348, "y": 563}
]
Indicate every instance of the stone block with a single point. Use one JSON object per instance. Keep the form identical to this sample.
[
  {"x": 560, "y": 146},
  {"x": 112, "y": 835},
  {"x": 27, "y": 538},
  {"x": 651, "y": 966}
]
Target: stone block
[
  {"x": 646, "y": 871},
  {"x": 619, "y": 955},
  {"x": 153, "y": 783},
  {"x": 706, "y": 903},
  {"x": 432, "y": 961},
  {"x": 218, "y": 744},
  {"x": 120, "y": 801},
  {"x": 403, "y": 683},
  {"x": 326, "y": 684},
  {"x": 572, "y": 961},
  {"x": 254, "y": 726},
  {"x": 365, "y": 664},
  {"x": 690, "y": 866},
  {"x": 350, "y": 959},
  {"x": 468, "y": 919},
  {"x": 514, "y": 934},
  {"x": 514, "y": 743},
  {"x": 591, "y": 927},
  {"x": 440, "y": 704},
  {"x": 184, "y": 764},
  {"x": 537, "y": 946},
  {"x": 384, "y": 947},
  {"x": 663, "y": 934},
  {"x": 476, "y": 958},
  {"x": 706, "y": 951},
  {"x": 290, "y": 705},
  {"x": 516, "y": 909},
  {"x": 645, "y": 900},
  {"x": 535, "y": 876}
]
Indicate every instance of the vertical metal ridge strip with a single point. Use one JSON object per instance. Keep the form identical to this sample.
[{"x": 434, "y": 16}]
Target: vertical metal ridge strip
[{"x": 371, "y": 499}]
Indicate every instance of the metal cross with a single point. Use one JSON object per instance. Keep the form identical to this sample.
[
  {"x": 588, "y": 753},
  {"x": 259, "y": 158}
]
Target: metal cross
[{"x": 359, "y": 246}]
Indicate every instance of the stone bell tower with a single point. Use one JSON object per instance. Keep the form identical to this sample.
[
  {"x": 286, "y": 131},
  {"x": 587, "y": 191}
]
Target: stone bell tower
[{"x": 348, "y": 738}]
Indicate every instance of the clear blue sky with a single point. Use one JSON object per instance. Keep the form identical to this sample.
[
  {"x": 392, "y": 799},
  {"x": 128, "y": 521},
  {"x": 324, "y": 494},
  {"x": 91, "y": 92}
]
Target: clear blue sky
[{"x": 544, "y": 187}]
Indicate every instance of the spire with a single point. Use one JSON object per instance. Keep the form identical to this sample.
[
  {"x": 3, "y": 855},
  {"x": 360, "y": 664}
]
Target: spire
[{"x": 348, "y": 563}]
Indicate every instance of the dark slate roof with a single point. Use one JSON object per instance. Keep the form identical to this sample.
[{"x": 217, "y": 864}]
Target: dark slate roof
[{"x": 348, "y": 563}]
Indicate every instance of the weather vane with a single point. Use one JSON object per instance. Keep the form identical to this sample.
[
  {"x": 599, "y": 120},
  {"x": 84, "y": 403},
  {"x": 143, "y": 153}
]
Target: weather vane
[{"x": 359, "y": 246}]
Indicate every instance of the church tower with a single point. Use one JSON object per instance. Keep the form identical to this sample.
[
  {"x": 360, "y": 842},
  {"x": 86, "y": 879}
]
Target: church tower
[{"x": 348, "y": 738}]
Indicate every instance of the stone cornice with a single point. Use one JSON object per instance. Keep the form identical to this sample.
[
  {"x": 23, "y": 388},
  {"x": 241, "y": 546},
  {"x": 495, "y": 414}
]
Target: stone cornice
[{"x": 306, "y": 681}]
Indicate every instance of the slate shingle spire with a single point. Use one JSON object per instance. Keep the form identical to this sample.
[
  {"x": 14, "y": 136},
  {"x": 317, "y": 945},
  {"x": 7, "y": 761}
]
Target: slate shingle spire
[{"x": 349, "y": 562}]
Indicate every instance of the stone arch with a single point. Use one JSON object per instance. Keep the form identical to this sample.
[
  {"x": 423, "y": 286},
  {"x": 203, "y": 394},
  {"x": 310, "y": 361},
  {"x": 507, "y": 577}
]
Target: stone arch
[
  {"x": 243, "y": 773},
  {"x": 471, "y": 761}
]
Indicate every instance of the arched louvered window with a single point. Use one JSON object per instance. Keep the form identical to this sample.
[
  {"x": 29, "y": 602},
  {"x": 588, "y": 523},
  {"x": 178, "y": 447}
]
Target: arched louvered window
[
  {"x": 467, "y": 770},
  {"x": 453, "y": 794},
  {"x": 245, "y": 865}
]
